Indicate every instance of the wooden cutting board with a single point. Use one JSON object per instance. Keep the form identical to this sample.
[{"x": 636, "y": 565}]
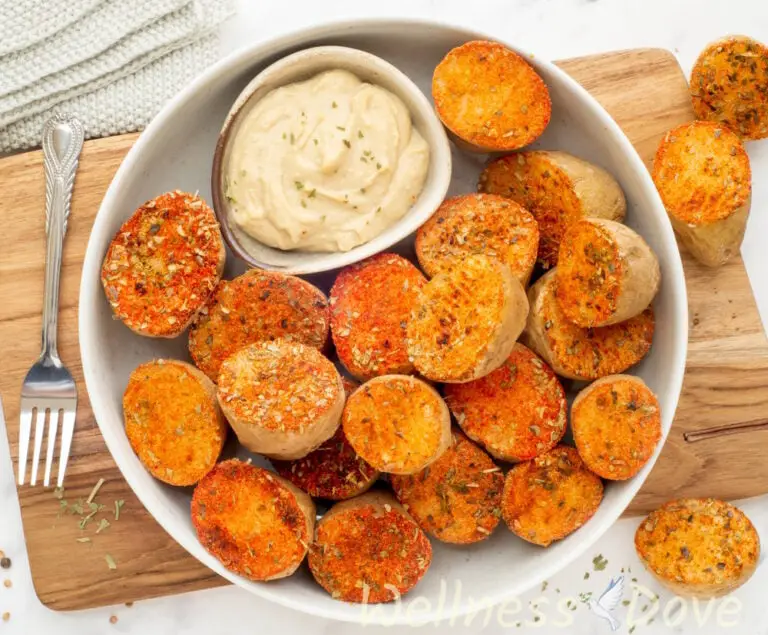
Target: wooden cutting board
[{"x": 713, "y": 449}]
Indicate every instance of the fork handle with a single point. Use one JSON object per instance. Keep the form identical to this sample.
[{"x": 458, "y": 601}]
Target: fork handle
[{"x": 62, "y": 142}]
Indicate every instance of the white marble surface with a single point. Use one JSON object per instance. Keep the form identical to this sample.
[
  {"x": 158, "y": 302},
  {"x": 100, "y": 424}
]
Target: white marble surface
[{"x": 555, "y": 29}]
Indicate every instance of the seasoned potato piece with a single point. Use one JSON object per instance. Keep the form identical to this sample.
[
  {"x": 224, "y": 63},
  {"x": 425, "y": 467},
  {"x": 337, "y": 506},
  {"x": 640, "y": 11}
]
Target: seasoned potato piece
[
  {"x": 371, "y": 303},
  {"x": 606, "y": 273},
  {"x": 254, "y": 522},
  {"x": 698, "y": 547},
  {"x": 558, "y": 189},
  {"x": 703, "y": 175},
  {"x": 334, "y": 470},
  {"x": 369, "y": 550},
  {"x": 583, "y": 353},
  {"x": 729, "y": 85},
  {"x": 397, "y": 423},
  {"x": 550, "y": 497},
  {"x": 467, "y": 320},
  {"x": 517, "y": 412},
  {"x": 254, "y": 307},
  {"x": 457, "y": 499},
  {"x": 490, "y": 97},
  {"x": 616, "y": 424},
  {"x": 482, "y": 224},
  {"x": 163, "y": 264},
  {"x": 282, "y": 399},
  {"x": 173, "y": 421}
]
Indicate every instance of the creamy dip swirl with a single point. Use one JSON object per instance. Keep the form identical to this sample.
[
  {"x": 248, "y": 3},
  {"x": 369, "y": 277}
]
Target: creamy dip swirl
[{"x": 325, "y": 164}]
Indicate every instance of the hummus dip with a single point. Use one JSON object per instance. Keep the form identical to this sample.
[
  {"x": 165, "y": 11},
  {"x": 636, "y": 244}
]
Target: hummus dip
[{"x": 324, "y": 165}]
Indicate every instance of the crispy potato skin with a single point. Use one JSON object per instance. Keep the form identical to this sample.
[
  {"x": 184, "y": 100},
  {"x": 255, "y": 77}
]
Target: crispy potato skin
[
  {"x": 703, "y": 175},
  {"x": 333, "y": 471},
  {"x": 257, "y": 306},
  {"x": 558, "y": 189},
  {"x": 371, "y": 303},
  {"x": 173, "y": 421},
  {"x": 729, "y": 85},
  {"x": 282, "y": 399},
  {"x": 578, "y": 353},
  {"x": 479, "y": 223},
  {"x": 490, "y": 97},
  {"x": 616, "y": 425},
  {"x": 397, "y": 423},
  {"x": 457, "y": 498},
  {"x": 163, "y": 264},
  {"x": 606, "y": 273},
  {"x": 550, "y": 497},
  {"x": 467, "y": 320},
  {"x": 254, "y": 522},
  {"x": 369, "y": 550},
  {"x": 517, "y": 412},
  {"x": 698, "y": 547}
]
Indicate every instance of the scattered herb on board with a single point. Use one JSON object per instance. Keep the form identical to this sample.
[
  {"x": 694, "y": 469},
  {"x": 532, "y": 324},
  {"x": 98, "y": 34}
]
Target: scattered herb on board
[
  {"x": 103, "y": 524},
  {"x": 94, "y": 491},
  {"x": 83, "y": 539},
  {"x": 599, "y": 562},
  {"x": 585, "y": 597},
  {"x": 118, "y": 506},
  {"x": 625, "y": 603},
  {"x": 110, "y": 562},
  {"x": 544, "y": 586},
  {"x": 586, "y": 575}
]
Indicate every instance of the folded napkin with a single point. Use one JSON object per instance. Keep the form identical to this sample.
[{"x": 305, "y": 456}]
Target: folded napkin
[{"x": 114, "y": 65}]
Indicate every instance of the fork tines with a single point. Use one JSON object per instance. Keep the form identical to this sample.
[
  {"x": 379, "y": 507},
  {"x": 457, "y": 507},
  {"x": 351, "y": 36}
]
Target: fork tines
[{"x": 53, "y": 410}]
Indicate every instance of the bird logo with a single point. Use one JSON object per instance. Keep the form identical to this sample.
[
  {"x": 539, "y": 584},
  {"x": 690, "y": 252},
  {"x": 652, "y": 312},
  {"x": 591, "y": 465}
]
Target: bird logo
[{"x": 608, "y": 602}]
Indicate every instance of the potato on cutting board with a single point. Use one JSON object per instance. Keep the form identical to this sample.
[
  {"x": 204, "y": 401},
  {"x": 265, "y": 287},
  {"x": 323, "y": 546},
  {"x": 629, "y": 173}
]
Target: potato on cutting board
[
  {"x": 466, "y": 320},
  {"x": 550, "y": 497},
  {"x": 616, "y": 425},
  {"x": 397, "y": 423},
  {"x": 558, "y": 189},
  {"x": 729, "y": 85},
  {"x": 254, "y": 522},
  {"x": 457, "y": 498},
  {"x": 583, "y": 353},
  {"x": 490, "y": 98},
  {"x": 698, "y": 547},
  {"x": 484, "y": 224},
  {"x": 703, "y": 175},
  {"x": 282, "y": 399},
  {"x": 368, "y": 549},
  {"x": 606, "y": 273}
]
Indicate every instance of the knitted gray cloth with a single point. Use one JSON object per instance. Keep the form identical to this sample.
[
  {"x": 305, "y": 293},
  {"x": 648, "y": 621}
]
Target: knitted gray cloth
[{"x": 114, "y": 65}]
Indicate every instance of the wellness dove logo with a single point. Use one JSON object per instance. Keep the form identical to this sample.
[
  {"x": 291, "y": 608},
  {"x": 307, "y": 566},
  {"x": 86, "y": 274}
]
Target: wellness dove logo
[{"x": 608, "y": 601}]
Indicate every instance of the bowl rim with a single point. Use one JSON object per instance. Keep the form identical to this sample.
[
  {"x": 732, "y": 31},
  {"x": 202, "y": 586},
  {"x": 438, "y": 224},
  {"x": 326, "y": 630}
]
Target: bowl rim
[
  {"x": 434, "y": 134},
  {"x": 90, "y": 282}
]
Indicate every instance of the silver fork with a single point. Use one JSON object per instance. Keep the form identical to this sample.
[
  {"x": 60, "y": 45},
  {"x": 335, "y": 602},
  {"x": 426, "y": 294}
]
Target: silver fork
[{"x": 49, "y": 386}]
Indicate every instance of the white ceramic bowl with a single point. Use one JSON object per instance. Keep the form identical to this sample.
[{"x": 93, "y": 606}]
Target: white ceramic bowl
[
  {"x": 176, "y": 151},
  {"x": 303, "y": 65}
]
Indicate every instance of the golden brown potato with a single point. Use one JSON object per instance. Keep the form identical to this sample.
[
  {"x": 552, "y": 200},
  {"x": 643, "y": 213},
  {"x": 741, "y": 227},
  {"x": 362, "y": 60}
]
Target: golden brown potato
[
  {"x": 369, "y": 550},
  {"x": 616, "y": 425},
  {"x": 698, "y": 547},
  {"x": 163, "y": 264},
  {"x": 467, "y": 320},
  {"x": 517, "y": 412},
  {"x": 254, "y": 522},
  {"x": 457, "y": 498},
  {"x": 397, "y": 423},
  {"x": 483, "y": 224},
  {"x": 729, "y": 85},
  {"x": 703, "y": 175},
  {"x": 581, "y": 353},
  {"x": 490, "y": 98},
  {"x": 173, "y": 421},
  {"x": 282, "y": 399},
  {"x": 550, "y": 497},
  {"x": 606, "y": 273},
  {"x": 558, "y": 189},
  {"x": 371, "y": 303},
  {"x": 257, "y": 306}
]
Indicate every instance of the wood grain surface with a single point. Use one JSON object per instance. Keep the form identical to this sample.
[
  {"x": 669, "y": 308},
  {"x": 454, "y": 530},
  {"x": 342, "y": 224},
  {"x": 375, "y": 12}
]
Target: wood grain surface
[{"x": 712, "y": 450}]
